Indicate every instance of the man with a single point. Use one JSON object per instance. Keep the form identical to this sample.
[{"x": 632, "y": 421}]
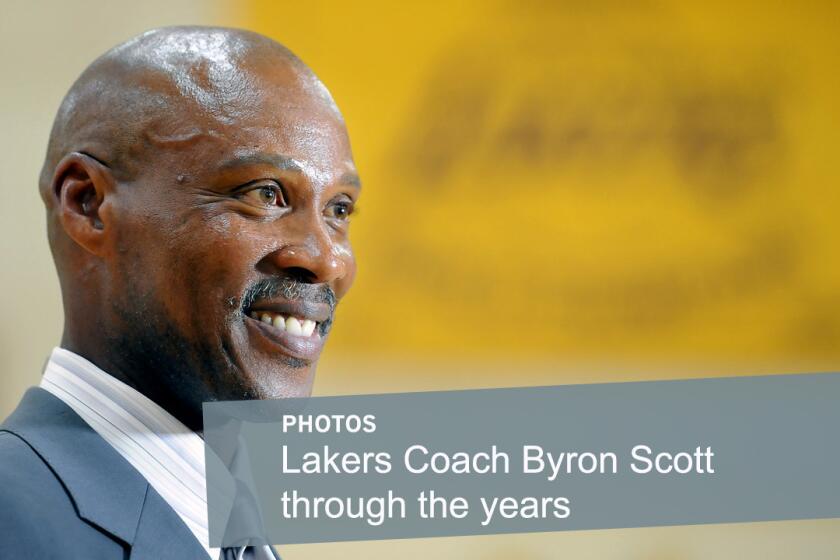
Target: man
[{"x": 198, "y": 186}]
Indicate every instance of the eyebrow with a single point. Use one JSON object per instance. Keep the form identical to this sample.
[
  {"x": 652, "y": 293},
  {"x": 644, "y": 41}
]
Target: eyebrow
[
  {"x": 283, "y": 163},
  {"x": 351, "y": 179}
]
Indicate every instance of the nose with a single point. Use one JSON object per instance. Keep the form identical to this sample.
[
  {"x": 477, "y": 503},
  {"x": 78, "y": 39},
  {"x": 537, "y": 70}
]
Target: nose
[
  {"x": 307, "y": 265},
  {"x": 309, "y": 254}
]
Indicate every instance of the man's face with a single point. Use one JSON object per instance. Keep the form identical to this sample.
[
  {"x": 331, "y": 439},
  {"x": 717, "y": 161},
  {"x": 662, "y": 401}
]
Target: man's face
[{"x": 231, "y": 246}]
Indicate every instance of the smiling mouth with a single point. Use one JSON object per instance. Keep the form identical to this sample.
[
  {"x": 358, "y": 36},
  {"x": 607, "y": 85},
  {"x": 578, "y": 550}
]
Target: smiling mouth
[
  {"x": 290, "y": 330},
  {"x": 295, "y": 326}
]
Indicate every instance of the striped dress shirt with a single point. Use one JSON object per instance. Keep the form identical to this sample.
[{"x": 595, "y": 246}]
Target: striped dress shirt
[{"x": 168, "y": 455}]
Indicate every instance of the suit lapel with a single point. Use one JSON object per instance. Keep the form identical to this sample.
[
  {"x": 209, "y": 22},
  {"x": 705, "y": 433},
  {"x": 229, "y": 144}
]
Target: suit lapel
[
  {"x": 155, "y": 538},
  {"x": 106, "y": 490}
]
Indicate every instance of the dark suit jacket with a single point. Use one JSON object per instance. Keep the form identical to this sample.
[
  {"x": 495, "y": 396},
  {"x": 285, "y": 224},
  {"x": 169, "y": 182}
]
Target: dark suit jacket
[{"x": 66, "y": 493}]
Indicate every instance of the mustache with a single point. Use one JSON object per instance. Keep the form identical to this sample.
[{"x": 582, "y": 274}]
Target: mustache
[{"x": 290, "y": 289}]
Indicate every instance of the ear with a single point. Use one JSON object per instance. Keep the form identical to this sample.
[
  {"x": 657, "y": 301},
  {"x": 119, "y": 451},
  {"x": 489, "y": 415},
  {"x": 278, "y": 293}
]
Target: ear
[{"x": 81, "y": 185}]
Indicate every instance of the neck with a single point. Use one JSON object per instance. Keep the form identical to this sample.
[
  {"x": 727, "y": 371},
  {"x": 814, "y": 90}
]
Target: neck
[{"x": 143, "y": 377}]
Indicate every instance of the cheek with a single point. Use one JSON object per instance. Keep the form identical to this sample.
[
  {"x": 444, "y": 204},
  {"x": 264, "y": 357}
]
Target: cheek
[
  {"x": 192, "y": 261},
  {"x": 219, "y": 257},
  {"x": 202, "y": 267}
]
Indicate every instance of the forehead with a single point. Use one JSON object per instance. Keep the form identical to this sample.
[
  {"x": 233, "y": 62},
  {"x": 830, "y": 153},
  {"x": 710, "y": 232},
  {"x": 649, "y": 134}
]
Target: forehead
[
  {"x": 298, "y": 132},
  {"x": 272, "y": 109}
]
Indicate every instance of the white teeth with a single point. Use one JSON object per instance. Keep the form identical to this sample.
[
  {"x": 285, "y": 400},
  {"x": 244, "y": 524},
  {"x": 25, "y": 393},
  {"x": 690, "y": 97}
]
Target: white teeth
[{"x": 293, "y": 326}]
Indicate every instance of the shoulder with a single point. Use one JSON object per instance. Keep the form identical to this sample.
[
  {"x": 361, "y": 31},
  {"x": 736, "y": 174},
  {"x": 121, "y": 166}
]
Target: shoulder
[
  {"x": 24, "y": 476},
  {"x": 30, "y": 493},
  {"x": 37, "y": 515}
]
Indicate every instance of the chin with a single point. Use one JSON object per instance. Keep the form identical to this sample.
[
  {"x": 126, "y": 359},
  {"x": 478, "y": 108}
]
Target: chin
[{"x": 278, "y": 382}]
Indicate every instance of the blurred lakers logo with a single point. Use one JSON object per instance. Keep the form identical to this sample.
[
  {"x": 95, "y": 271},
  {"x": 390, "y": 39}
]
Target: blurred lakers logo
[
  {"x": 716, "y": 134},
  {"x": 598, "y": 197}
]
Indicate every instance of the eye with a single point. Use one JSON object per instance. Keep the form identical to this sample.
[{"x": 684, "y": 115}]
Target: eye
[
  {"x": 340, "y": 209},
  {"x": 263, "y": 195}
]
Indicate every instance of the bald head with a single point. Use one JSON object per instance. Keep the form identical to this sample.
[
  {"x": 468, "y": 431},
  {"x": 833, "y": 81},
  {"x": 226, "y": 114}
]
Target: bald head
[
  {"x": 198, "y": 185},
  {"x": 136, "y": 93}
]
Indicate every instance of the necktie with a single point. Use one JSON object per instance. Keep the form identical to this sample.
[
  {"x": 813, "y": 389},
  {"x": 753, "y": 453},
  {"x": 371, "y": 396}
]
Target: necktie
[
  {"x": 248, "y": 553},
  {"x": 238, "y": 553}
]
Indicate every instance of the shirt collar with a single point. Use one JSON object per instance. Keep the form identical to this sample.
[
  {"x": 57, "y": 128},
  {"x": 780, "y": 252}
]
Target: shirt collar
[{"x": 168, "y": 455}]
